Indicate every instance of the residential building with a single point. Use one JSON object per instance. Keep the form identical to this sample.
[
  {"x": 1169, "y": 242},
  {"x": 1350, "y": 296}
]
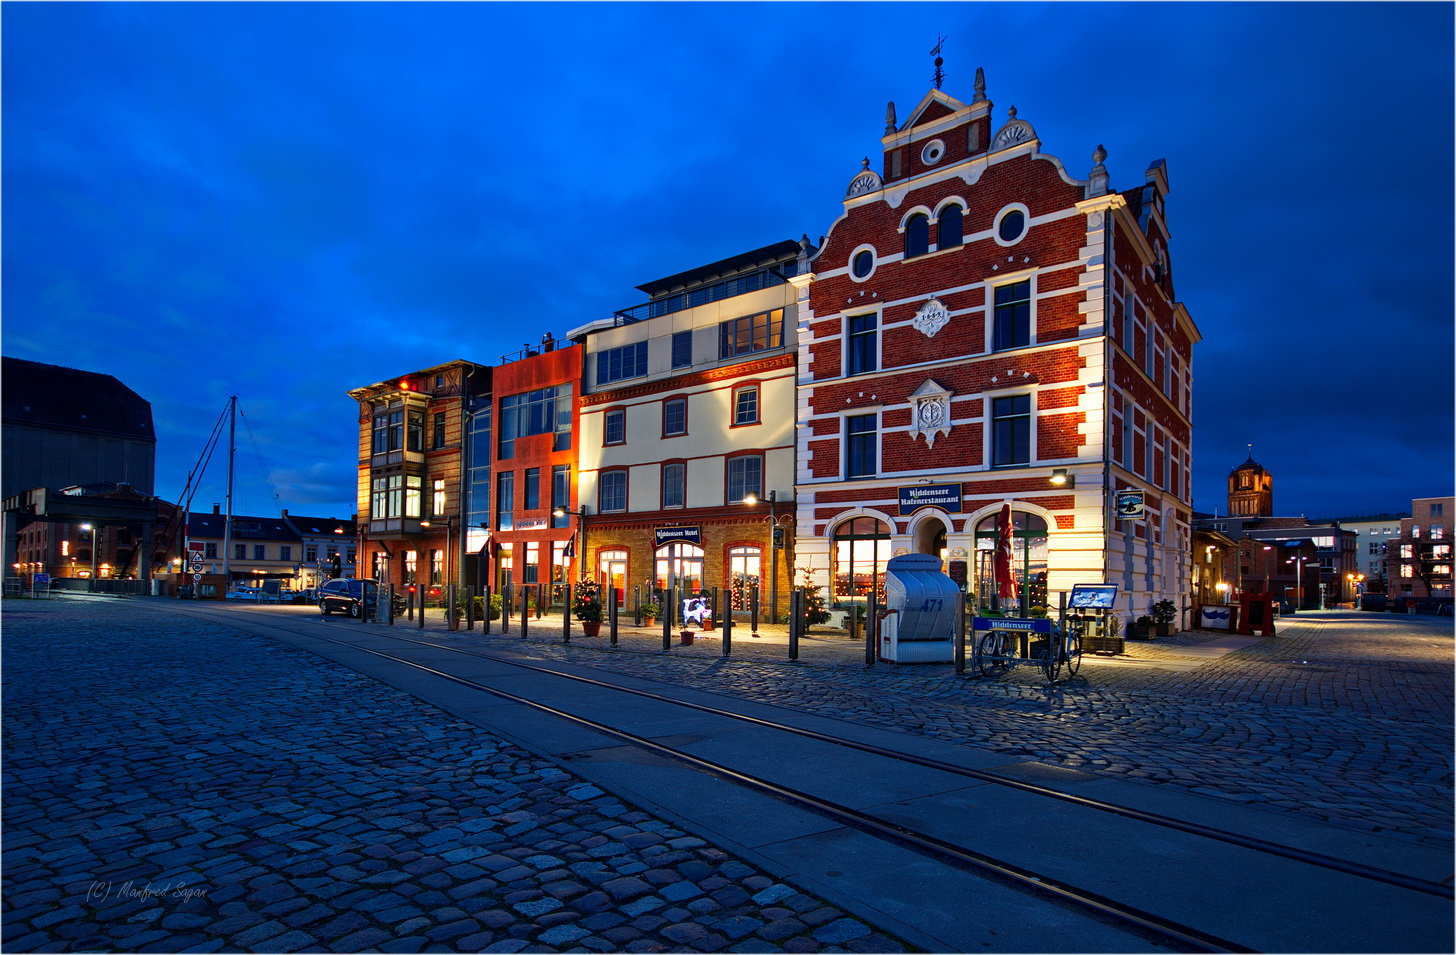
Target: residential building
[
  {"x": 981, "y": 327},
  {"x": 687, "y": 425},
  {"x": 262, "y": 549},
  {"x": 533, "y": 486},
  {"x": 101, "y": 531},
  {"x": 1373, "y": 534},
  {"x": 328, "y": 548},
  {"x": 413, "y": 472},
  {"x": 1286, "y": 567},
  {"x": 1419, "y": 562}
]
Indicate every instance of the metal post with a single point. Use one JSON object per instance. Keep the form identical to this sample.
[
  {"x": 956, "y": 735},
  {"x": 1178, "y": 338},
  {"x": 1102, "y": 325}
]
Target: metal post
[
  {"x": 753, "y": 609},
  {"x": 391, "y": 605},
  {"x": 540, "y": 592},
  {"x": 525, "y": 610},
  {"x": 421, "y": 589},
  {"x": 773, "y": 574},
  {"x": 727, "y": 623},
  {"x": 636, "y": 605},
  {"x": 796, "y": 621},
  {"x": 872, "y": 630},
  {"x": 470, "y": 607},
  {"x": 612, "y": 621},
  {"x": 485, "y": 611},
  {"x": 451, "y": 607},
  {"x": 507, "y": 596},
  {"x": 667, "y": 619},
  {"x": 960, "y": 635},
  {"x": 566, "y": 615}
]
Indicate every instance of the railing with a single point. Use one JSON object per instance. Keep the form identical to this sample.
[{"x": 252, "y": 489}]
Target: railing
[{"x": 739, "y": 285}]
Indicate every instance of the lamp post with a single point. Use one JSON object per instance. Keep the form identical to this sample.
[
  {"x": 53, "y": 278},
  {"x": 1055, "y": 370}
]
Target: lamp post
[
  {"x": 1267, "y": 547},
  {"x": 773, "y": 560},
  {"x": 583, "y": 555},
  {"x": 449, "y": 526},
  {"x": 1299, "y": 563}
]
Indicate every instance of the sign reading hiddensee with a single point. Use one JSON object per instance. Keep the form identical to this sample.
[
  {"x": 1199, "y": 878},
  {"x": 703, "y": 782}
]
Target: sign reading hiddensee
[{"x": 947, "y": 497}]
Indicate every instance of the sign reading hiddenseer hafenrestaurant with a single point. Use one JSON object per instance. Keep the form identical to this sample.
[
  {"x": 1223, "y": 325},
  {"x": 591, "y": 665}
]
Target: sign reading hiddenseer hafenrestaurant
[
  {"x": 666, "y": 535},
  {"x": 947, "y": 497}
]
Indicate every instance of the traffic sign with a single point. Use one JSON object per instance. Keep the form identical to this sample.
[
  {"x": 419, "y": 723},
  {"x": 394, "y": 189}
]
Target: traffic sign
[{"x": 196, "y": 576}]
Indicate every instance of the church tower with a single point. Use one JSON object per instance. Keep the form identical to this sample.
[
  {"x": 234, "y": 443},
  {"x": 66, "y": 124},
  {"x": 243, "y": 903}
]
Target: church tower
[{"x": 1250, "y": 490}]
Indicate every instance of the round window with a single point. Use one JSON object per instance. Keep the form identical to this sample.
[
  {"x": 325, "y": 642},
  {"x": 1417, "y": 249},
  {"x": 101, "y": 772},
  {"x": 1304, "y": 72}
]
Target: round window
[
  {"x": 1013, "y": 226},
  {"x": 933, "y": 152},
  {"x": 863, "y": 263}
]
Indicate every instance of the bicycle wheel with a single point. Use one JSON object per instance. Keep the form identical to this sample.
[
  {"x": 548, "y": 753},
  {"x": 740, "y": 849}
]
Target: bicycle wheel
[
  {"x": 1074, "y": 652},
  {"x": 1051, "y": 657},
  {"x": 978, "y": 656},
  {"x": 993, "y": 651}
]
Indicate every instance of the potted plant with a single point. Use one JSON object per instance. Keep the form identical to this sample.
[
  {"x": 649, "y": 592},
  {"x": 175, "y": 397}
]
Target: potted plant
[
  {"x": 1142, "y": 628},
  {"x": 1164, "y": 613},
  {"x": 586, "y": 604},
  {"x": 649, "y": 609}
]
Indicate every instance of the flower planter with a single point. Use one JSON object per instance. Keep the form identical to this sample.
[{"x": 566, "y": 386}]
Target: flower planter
[
  {"x": 685, "y": 638},
  {"x": 1165, "y": 629},
  {"x": 592, "y": 628},
  {"x": 1102, "y": 644},
  {"x": 1141, "y": 633}
]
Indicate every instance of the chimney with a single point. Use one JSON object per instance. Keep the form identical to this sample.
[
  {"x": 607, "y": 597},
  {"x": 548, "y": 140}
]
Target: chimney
[{"x": 217, "y": 508}]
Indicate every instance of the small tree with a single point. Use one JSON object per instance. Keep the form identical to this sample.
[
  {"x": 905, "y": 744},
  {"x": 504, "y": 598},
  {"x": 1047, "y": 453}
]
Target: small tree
[
  {"x": 815, "y": 611},
  {"x": 586, "y": 601}
]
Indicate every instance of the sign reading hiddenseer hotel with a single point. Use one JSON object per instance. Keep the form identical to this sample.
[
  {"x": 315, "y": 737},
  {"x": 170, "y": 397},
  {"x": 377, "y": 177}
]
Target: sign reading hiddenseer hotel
[
  {"x": 666, "y": 535},
  {"x": 947, "y": 497}
]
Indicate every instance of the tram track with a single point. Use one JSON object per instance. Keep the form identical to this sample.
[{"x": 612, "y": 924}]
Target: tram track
[{"x": 1146, "y": 924}]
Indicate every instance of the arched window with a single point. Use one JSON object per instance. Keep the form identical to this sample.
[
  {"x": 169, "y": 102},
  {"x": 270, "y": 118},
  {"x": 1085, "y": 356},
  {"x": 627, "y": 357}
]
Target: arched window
[
  {"x": 860, "y": 549},
  {"x": 949, "y": 232},
  {"x": 745, "y": 568},
  {"x": 1028, "y": 558},
  {"x": 917, "y": 235},
  {"x": 680, "y": 565}
]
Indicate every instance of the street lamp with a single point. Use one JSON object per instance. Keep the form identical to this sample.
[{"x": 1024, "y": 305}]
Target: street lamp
[
  {"x": 773, "y": 548},
  {"x": 1299, "y": 563},
  {"x": 449, "y": 526},
  {"x": 584, "y": 554}
]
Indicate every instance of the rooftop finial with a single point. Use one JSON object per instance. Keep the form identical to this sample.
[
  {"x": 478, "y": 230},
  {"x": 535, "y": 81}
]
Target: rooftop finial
[
  {"x": 891, "y": 124},
  {"x": 939, "y": 62},
  {"x": 980, "y": 96}
]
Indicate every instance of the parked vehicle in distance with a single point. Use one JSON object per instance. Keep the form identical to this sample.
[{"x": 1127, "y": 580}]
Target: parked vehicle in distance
[
  {"x": 244, "y": 593},
  {"x": 353, "y": 597},
  {"x": 1372, "y": 601}
]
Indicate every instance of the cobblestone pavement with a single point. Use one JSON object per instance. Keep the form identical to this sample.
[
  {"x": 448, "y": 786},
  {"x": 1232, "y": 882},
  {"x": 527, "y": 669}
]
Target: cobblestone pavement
[
  {"x": 175, "y": 785},
  {"x": 1344, "y": 717}
]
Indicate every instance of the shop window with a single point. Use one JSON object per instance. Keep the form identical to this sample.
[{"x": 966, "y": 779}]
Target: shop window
[{"x": 860, "y": 548}]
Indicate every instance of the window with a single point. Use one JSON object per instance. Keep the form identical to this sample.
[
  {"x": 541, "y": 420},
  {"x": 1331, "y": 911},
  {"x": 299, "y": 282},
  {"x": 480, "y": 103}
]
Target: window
[
  {"x": 745, "y": 571},
  {"x": 674, "y": 417},
  {"x": 505, "y": 496},
  {"x": 1438, "y": 531},
  {"x": 745, "y": 477},
  {"x": 310, "y": 554},
  {"x": 531, "y": 496},
  {"x": 437, "y": 497},
  {"x": 1013, "y": 316},
  {"x": 863, "y": 344},
  {"x": 862, "y": 264},
  {"x": 612, "y": 494},
  {"x": 240, "y": 552},
  {"x": 1438, "y": 509},
  {"x": 1011, "y": 227},
  {"x": 674, "y": 484},
  {"x": 381, "y": 434},
  {"x": 745, "y": 405},
  {"x": 285, "y": 552},
  {"x": 619, "y": 364},
  {"x": 949, "y": 232},
  {"x": 861, "y": 435},
  {"x": 530, "y": 574},
  {"x": 917, "y": 235},
  {"x": 410, "y": 560},
  {"x": 614, "y": 426},
  {"x": 543, "y": 411},
  {"x": 560, "y": 494},
  {"x": 751, "y": 333},
  {"x": 860, "y": 548},
  {"x": 1010, "y": 431},
  {"x": 1029, "y": 549},
  {"x": 437, "y": 566},
  {"x": 260, "y": 552},
  {"x": 439, "y": 438},
  {"x": 413, "y": 486},
  {"x": 682, "y": 349},
  {"x": 416, "y": 431}
]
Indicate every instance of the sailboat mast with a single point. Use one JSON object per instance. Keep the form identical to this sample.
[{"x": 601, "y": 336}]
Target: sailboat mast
[{"x": 227, "y": 532}]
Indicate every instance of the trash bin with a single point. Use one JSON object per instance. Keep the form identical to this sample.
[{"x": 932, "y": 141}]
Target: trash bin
[{"x": 924, "y": 602}]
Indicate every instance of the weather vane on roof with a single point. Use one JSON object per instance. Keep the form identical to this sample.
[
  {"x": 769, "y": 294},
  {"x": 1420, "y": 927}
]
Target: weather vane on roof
[{"x": 939, "y": 62}]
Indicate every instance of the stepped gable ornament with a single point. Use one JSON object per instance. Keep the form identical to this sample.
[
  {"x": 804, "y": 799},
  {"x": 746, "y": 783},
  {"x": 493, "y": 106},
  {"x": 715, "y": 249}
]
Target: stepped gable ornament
[
  {"x": 930, "y": 411},
  {"x": 932, "y": 317},
  {"x": 1014, "y": 133},
  {"x": 867, "y": 181}
]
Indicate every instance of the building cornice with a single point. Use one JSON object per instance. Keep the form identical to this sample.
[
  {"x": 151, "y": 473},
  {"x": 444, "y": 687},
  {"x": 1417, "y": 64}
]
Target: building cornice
[{"x": 680, "y": 382}]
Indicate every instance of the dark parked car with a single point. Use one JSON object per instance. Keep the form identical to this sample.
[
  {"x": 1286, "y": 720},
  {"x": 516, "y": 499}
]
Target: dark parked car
[
  {"x": 352, "y": 596},
  {"x": 1372, "y": 602}
]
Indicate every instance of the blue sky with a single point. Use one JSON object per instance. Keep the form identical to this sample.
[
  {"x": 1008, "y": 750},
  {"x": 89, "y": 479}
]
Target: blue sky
[{"x": 284, "y": 201}]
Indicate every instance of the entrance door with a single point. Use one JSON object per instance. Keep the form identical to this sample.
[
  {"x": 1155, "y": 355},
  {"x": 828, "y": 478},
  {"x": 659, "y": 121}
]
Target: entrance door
[
  {"x": 680, "y": 565},
  {"x": 614, "y": 572}
]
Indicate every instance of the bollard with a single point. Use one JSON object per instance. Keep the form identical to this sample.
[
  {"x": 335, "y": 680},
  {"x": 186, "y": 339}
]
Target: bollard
[
  {"x": 854, "y": 621},
  {"x": 422, "y": 607},
  {"x": 960, "y": 635},
  {"x": 753, "y": 609},
  {"x": 485, "y": 611},
  {"x": 507, "y": 595},
  {"x": 470, "y": 607},
  {"x": 667, "y": 619},
  {"x": 566, "y": 615},
  {"x": 727, "y": 626},
  {"x": 451, "y": 607},
  {"x": 872, "y": 632},
  {"x": 525, "y": 610},
  {"x": 796, "y": 621},
  {"x": 391, "y": 605},
  {"x": 612, "y": 620}
]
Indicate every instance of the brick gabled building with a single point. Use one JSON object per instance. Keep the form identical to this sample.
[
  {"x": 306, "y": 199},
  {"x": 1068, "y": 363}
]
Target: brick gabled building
[{"x": 982, "y": 326}]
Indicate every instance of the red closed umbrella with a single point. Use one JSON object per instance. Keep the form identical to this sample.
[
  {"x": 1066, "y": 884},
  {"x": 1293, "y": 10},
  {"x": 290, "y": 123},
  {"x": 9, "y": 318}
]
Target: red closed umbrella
[{"x": 1005, "y": 577}]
